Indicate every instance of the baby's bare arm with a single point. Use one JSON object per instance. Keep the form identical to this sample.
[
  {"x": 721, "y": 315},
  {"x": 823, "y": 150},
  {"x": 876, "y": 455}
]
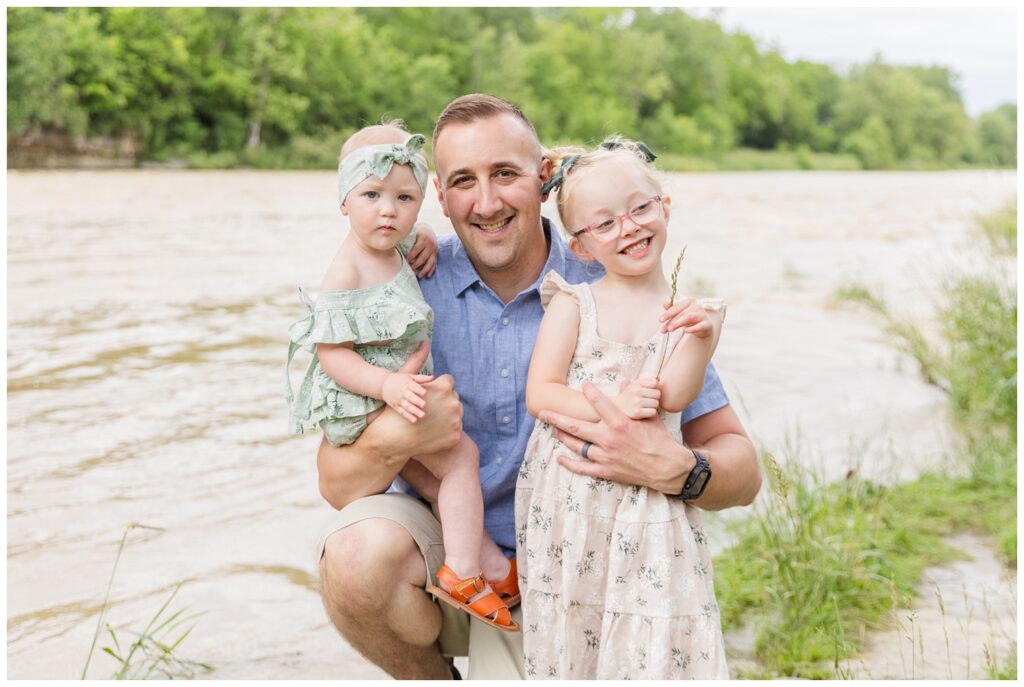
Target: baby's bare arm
[
  {"x": 401, "y": 390},
  {"x": 350, "y": 371}
]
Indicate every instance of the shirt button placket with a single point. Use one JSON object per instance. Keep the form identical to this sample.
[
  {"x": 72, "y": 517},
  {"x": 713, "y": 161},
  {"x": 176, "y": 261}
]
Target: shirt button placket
[{"x": 506, "y": 396}]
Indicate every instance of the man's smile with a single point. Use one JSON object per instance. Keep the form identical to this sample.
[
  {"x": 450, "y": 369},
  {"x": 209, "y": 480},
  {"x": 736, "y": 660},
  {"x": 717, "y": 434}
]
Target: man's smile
[{"x": 494, "y": 227}]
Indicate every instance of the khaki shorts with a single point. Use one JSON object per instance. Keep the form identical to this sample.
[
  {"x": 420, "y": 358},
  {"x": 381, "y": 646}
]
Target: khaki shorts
[{"x": 494, "y": 654}]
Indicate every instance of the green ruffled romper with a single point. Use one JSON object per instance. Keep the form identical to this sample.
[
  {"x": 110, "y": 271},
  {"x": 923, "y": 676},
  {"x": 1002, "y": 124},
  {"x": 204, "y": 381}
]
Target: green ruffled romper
[{"x": 386, "y": 323}]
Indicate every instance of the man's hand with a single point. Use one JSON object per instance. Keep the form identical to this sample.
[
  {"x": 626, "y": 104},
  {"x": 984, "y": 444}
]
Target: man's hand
[
  {"x": 638, "y": 398},
  {"x": 437, "y": 429},
  {"x": 624, "y": 450},
  {"x": 422, "y": 257},
  {"x": 404, "y": 393},
  {"x": 370, "y": 464}
]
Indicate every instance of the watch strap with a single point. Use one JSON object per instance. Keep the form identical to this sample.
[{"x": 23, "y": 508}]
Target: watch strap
[{"x": 701, "y": 470}]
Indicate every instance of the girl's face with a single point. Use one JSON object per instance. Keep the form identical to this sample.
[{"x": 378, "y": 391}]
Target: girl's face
[
  {"x": 609, "y": 190},
  {"x": 382, "y": 212}
]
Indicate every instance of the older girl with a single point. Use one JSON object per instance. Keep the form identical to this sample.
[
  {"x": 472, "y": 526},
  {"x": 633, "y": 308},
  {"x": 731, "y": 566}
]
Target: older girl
[{"x": 616, "y": 579}]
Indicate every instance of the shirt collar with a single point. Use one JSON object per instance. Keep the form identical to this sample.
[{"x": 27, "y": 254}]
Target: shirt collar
[{"x": 465, "y": 275}]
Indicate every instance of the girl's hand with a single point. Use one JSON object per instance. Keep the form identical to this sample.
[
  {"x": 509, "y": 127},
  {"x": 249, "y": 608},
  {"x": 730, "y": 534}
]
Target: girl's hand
[
  {"x": 691, "y": 316},
  {"x": 638, "y": 398},
  {"x": 403, "y": 392},
  {"x": 423, "y": 255}
]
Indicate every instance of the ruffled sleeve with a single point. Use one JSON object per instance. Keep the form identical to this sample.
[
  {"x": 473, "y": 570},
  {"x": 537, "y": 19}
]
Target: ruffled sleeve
[
  {"x": 552, "y": 283},
  {"x": 345, "y": 317}
]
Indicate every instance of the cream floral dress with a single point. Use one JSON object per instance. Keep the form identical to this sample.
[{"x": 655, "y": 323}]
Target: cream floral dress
[{"x": 616, "y": 579}]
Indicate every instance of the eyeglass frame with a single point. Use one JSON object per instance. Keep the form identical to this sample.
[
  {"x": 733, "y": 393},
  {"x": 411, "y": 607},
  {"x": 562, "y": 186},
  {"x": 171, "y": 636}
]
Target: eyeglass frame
[{"x": 620, "y": 219}]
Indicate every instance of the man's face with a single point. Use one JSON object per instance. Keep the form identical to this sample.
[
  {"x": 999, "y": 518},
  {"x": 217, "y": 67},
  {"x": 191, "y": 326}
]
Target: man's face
[{"x": 489, "y": 174}]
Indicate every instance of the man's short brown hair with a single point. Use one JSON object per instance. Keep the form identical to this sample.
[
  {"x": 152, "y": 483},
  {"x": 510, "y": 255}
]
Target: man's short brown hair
[{"x": 469, "y": 108}]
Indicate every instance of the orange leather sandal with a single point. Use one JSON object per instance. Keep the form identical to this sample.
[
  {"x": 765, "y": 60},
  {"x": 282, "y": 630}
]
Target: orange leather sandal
[
  {"x": 488, "y": 608},
  {"x": 508, "y": 589}
]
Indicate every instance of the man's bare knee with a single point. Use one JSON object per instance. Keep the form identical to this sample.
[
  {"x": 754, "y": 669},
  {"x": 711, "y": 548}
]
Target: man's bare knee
[
  {"x": 357, "y": 558},
  {"x": 371, "y": 577}
]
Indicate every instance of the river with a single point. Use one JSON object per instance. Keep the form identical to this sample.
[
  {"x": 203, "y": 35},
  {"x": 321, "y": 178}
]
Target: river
[{"x": 147, "y": 314}]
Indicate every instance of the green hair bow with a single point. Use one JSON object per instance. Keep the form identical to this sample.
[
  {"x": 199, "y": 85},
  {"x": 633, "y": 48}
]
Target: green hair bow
[{"x": 377, "y": 161}]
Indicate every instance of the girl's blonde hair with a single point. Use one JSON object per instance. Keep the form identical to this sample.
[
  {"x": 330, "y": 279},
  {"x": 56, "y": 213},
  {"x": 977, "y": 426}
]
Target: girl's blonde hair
[
  {"x": 618, "y": 148},
  {"x": 390, "y": 130}
]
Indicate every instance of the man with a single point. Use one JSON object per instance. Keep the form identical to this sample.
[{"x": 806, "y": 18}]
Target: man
[{"x": 382, "y": 548}]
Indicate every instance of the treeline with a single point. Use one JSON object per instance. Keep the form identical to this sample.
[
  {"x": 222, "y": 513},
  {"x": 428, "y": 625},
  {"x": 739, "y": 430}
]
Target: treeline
[{"x": 283, "y": 87}]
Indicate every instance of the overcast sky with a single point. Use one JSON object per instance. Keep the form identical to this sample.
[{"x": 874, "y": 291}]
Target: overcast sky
[{"x": 979, "y": 44}]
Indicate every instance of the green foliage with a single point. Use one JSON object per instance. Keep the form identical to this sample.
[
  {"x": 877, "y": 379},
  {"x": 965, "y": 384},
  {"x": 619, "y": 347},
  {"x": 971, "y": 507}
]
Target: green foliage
[
  {"x": 152, "y": 653},
  {"x": 820, "y": 562},
  {"x": 153, "y": 650},
  {"x": 1005, "y": 672},
  {"x": 995, "y": 136},
  {"x": 887, "y": 113},
  {"x": 214, "y": 84},
  {"x": 871, "y": 144},
  {"x": 1000, "y": 230}
]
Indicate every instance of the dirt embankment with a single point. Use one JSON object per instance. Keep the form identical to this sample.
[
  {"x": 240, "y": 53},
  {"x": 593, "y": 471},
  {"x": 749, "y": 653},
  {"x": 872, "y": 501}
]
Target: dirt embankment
[{"x": 53, "y": 150}]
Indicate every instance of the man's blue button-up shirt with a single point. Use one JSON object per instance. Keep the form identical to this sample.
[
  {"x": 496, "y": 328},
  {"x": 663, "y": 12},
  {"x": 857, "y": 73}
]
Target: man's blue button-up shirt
[{"x": 486, "y": 345}]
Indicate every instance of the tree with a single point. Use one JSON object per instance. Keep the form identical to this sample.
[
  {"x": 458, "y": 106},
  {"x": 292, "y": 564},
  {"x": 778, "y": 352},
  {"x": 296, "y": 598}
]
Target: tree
[
  {"x": 871, "y": 144},
  {"x": 996, "y": 132}
]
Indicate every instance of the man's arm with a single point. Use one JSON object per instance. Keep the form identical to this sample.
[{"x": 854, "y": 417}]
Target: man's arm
[
  {"x": 369, "y": 465},
  {"x": 735, "y": 474},
  {"x": 642, "y": 452}
]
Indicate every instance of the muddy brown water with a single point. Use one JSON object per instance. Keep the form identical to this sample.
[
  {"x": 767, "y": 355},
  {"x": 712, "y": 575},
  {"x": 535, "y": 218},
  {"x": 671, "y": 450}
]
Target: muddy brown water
[{"x": 147, "y": 313}]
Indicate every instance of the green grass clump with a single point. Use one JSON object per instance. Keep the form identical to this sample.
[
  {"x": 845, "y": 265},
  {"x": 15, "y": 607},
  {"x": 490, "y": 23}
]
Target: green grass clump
[
  {"x": 1004, "y": 672},
  {"x": 906, "y": 333},
  {"x": 854, "y": 292},
  {"x": 152, "y": 652},
  {"x": 1000, "y": 228},
  {"x": 976, "y": 365},
  {"x": 819, "y": 563}
]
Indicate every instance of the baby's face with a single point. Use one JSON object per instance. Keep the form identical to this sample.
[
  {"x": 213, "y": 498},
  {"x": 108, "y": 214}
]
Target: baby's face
[{"x": 382, "y": 212}]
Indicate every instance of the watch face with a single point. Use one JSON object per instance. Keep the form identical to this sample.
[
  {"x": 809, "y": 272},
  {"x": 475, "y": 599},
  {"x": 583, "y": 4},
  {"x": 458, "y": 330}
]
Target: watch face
[{"x": 698, "y": 484}]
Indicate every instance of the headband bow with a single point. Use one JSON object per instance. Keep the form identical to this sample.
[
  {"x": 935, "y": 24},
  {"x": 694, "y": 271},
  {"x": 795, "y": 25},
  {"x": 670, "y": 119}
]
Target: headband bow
[
  {"x": 377, "y": 161},
  {"x": 555, "y": 182},
  {"x": 613, "y": 144}
]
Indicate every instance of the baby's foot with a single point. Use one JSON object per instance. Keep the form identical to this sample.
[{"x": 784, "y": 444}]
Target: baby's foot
[
  {"x": 479, "y": 586},
  {"x": 504, "y": 580},
  {"x": 473, "y": 595},
  {"x": 496, "y": 567}
]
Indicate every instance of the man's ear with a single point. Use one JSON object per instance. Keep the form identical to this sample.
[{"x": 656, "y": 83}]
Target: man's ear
[
  {"x": 440, "y": 197},
  {"x": 545, "y": 176},
  {"x": 576, "y": 246}
]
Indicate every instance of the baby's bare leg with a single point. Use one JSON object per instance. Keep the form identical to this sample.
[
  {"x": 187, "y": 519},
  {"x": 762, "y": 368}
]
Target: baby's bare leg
[
  {"x": 492, "y": 560},
  {"x": 423, "y": 481},
  {"x": 460, "y": 504}
]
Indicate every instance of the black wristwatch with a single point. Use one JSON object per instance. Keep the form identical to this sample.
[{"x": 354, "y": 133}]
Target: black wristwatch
[{"x": 697, "y": 480}]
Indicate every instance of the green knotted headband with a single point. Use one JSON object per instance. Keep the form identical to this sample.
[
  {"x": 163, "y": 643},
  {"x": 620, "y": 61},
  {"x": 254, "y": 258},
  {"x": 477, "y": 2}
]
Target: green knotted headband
[{"x": 377, "y": 160}]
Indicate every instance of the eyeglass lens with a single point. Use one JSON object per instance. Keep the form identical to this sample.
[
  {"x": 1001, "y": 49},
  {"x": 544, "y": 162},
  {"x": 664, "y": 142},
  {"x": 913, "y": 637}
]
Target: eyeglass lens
[{"x": 641, "y": 214}]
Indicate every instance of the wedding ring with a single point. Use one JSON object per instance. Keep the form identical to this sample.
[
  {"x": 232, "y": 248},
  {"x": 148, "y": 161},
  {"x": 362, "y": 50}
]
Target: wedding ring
[{"x": 585, "y": 450}]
